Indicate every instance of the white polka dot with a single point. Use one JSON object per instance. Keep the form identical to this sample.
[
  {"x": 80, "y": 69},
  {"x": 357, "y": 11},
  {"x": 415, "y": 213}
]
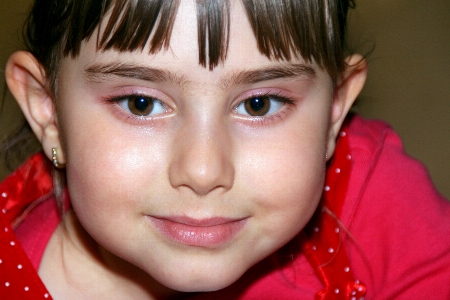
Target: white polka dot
[
  {"x": 349, "y": 157},
  {"x": 7, "y": 283},
  {"x": 338, "y": 170},
  {"x": 4, "y": 195},
  {"x": 343, "y": 133},
  {"x": 357, "y": 281},
  {"x": 347, "y": 269},
  {"x": 353, "y": 298},
  {"x": 6, "y": 229},
  {"x": 316, "y": 229},
  {"x": 336, "y": 291},
  {"x": 4, "y": 211},
  {"x": 360, "y": 289},
  {"x": 331, "y": 250},
  {"x": 314, "y": 248},
  {"x": 26, "y": 289},
  {"x": 19, "y": 267},
  {"x": 326, "y": 188},
  {"x": 353, "y": 293},
  {"x": 336, "y": 230},
  {"x": 45, "y": 295},
  {"x": 1, "y": 261},
  {"x": 12, "y": 243}
]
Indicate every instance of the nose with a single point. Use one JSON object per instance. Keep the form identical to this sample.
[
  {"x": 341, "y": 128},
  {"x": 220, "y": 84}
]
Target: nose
[{"x": 202, "y": 159}]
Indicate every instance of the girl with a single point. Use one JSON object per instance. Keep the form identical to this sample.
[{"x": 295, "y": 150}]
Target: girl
[{"x": 208, "y": 155}]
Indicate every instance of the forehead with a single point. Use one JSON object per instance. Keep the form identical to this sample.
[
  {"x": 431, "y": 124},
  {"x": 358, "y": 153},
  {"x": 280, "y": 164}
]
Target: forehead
[
  {"x": 183, "y": 50},
  {"x": 242, "y": 45}
]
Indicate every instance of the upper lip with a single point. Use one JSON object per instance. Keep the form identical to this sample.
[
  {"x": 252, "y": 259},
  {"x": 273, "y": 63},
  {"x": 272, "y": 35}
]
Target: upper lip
[{"x": 204, "y": 222}]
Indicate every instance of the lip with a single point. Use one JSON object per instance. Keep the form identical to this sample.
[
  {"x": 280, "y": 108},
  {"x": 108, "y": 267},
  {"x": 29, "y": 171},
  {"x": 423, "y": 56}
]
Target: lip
[{"x": 211, "y": 232}]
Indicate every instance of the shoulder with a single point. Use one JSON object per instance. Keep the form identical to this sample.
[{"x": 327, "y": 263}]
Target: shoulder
[
  {"x": 29, "y": 184},
  {"x": 381, "y": 167},
  {"x": 399, "y": 223},
  {"x": 29, "y": 206}
]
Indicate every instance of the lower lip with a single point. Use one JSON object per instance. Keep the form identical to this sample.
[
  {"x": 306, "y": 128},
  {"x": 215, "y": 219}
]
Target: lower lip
[{"x": 213, "y": 234}]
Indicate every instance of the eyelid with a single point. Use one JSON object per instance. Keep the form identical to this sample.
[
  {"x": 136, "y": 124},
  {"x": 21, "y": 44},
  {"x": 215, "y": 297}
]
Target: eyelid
[
  {"x": 282, "y": 96},
  {"x": 127, "y": 115},
  {"x": 127, "y": 91},
  {"x": 275, "y": 92},
  {"x": 288, "y": 99}
]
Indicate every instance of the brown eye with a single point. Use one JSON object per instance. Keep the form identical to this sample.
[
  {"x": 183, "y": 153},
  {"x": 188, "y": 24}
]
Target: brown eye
[
  {"x": 258, "y": 106},
  {"x": 140, "y": 105}
]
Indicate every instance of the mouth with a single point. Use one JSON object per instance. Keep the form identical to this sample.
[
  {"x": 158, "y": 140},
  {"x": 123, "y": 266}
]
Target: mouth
[{"x": 211, "y": 232}]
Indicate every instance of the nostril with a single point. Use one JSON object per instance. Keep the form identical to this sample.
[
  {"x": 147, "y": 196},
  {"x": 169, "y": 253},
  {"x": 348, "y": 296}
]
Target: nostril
[{"x": 203, "y": 170}]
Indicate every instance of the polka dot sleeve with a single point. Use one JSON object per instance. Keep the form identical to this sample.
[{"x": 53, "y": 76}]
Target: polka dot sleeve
[{"x": 18, "y": 278}]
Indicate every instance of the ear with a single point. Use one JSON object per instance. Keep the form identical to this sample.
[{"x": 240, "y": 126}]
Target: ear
[
  {"x": 346, "y": 91},
  {"x": 27, "y": 82}
]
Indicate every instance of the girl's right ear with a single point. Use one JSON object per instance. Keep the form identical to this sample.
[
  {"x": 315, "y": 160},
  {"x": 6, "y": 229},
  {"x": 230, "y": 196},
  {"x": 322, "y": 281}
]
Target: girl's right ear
[{"x": 26, "y": 80}]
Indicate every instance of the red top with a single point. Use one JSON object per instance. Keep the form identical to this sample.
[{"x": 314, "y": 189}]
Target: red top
[
  {"x": 29, "y": 185},
  {"x": 377, "y": 202}
]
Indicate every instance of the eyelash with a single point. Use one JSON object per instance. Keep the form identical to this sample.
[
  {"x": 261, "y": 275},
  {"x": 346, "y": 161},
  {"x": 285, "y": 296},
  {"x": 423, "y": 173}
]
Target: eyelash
[
  {"x": 134, "y": 117},
  {"x": 257, "y": 120},
  {"x": 268, "y": 119}
]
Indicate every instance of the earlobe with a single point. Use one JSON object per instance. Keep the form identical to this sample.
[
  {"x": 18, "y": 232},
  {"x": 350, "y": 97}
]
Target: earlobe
[
  {"x": 345, "y": 93},
  {"x": 27, "y": 82}
]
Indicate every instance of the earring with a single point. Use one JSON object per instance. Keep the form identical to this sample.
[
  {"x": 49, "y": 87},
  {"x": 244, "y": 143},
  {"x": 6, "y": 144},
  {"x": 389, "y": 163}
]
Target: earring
[{"x": 55, "y": 158}]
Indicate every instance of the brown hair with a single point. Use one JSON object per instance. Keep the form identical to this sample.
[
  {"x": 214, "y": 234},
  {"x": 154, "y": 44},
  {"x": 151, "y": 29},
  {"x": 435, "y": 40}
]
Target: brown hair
[{"x": 313, "y": 29}]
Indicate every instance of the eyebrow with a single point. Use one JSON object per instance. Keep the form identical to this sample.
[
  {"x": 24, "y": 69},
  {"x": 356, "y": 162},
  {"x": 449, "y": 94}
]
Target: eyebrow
[
  {"x": 286, "y": 71},
  {"x": 102, "y": 72}
]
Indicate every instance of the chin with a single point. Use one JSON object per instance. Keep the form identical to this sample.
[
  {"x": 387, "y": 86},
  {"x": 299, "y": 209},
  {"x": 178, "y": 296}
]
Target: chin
[{"x": 205, "y": 283}]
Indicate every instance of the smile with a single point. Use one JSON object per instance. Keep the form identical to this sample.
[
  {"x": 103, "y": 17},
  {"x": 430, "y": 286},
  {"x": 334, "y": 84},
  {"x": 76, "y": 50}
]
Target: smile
[{"x": 210, "y": 232}]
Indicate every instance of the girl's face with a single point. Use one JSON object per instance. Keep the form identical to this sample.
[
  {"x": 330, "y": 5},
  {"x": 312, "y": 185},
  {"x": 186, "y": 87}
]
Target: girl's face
[{"x": 193, "y": 175}]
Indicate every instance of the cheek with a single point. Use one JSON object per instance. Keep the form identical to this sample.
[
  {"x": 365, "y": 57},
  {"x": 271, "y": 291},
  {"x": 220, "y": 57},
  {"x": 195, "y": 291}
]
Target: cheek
[
  {"x": 285, "y": 174},
  {"x": 110, "y": 172}
]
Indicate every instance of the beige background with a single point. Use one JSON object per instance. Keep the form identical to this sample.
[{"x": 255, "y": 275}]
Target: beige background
[{"x": 409, "y": 75}]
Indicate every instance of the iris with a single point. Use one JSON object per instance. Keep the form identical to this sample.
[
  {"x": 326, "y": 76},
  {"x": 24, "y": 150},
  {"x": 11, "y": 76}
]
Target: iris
[
  {"x": 140, "y": 105},
  {"x": 258, "y": 106}
]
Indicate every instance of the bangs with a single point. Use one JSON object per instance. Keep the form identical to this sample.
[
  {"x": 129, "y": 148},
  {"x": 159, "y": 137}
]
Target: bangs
[
  {"x": 133, "y": 24},
  {"x": 284, "y": 29},
  {"x": 313, "y": 30}
]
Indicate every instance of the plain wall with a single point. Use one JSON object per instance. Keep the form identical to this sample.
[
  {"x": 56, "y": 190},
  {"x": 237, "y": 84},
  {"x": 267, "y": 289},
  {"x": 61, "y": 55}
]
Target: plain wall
[
  {"x": 12, "y": 17},
  {"x": 409, "y": 73}
]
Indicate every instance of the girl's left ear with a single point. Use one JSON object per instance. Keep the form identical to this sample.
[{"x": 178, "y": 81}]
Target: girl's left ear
[
  {"x": 28, "y": 84},
  {"x": 346, "y": 91}
]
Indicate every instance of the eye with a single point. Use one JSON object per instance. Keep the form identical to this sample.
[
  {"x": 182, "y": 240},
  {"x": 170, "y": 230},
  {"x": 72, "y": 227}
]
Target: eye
[
  {"x": 140, "y": 105},
  {"x": 261, "y": 105}
]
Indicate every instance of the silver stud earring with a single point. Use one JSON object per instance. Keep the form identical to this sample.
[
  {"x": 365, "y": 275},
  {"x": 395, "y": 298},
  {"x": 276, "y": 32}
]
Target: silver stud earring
[{"x": 55, "y": 158}]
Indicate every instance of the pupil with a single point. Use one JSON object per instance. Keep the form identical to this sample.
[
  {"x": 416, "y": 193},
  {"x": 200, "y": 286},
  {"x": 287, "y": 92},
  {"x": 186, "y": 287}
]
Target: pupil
[
  {"x": 141, "y": 104},
  {"x": 257, "y": 104}
]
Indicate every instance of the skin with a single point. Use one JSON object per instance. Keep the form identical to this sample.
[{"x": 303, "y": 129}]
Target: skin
[{"x": 201, "y": 156}]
